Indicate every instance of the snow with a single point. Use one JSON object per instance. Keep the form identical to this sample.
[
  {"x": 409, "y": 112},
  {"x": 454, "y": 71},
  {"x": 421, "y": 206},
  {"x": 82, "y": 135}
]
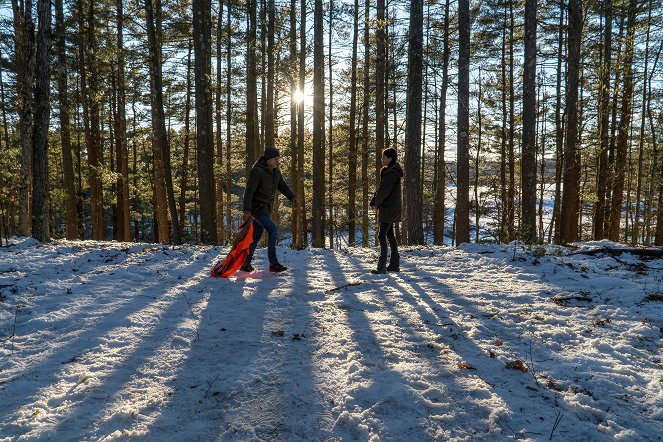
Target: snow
[{"x": 125, "y": 341}]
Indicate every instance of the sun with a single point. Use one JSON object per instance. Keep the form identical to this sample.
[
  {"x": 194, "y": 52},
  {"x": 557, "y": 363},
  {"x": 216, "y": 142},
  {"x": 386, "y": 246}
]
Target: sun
[{"x": 298, "y": 96}]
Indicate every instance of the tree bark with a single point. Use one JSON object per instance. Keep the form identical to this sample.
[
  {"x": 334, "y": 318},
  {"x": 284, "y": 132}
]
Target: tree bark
[
  {"x": 202, "y": 48},
  {"x": 463, "y": 156},
  {"x": 302, "y": 238},
  {"x": 71, "y": 215},
  {"x": 40, "y": 203},
  {"x": 229, "y": 221},
  {"x": 330, "y": 156},
  {"x": 184, "y": 176},
  {"x": 220, "y": 230},
  {"x": 318, "y": 203},
  {"x": 25, "y": 65},
  {"x": 511, "y": 188},
  {"x": 158, "y": 126},
  {"x": 641, "y": 146},
  {"x": 412, "y": 181},
  {"x": 269, "y": 107},
  {"x": 440, "y": 187},
  {"x": 364, "y": 131},
  {"x": 123, "y": 212},
  {"x": 570, "y": 197},
  {"x": 528, "y": 166},
  {"x": 352, "y": 160},
  {"x": 292, "y": 73},
  {"x": 380, "y": 62},
  {"x": 503, "y": 235},
  {"x": 95, "y": 154},
  {"x": 614, "y": 217},
  {"x": 252, "y": 134},
  {"x": 604, "y": 122}
]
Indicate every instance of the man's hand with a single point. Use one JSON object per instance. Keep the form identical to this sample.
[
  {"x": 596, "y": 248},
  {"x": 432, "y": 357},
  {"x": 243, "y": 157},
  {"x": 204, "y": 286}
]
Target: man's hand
[{"x": 246, "y": 216}]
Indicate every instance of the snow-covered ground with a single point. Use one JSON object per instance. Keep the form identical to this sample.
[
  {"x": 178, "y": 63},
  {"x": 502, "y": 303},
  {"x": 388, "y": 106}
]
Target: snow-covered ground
[{"x": 112, "y": 341}]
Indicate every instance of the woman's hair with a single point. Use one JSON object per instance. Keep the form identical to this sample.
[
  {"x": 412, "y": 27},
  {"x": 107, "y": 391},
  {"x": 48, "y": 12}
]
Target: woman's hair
[{"x": 391, "y": 154}]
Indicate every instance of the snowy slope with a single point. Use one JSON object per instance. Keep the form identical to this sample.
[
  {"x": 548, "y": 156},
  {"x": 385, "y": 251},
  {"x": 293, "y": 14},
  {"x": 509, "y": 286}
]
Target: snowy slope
[{"x": 112, "y": 341}]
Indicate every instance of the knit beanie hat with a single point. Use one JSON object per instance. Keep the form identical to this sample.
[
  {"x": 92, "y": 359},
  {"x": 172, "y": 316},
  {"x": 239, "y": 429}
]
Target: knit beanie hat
[{"x": 271, "y": 152}]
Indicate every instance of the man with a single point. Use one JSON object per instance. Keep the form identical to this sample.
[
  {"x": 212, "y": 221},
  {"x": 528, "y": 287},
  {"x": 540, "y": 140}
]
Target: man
[{"x": 264, "y": 180}]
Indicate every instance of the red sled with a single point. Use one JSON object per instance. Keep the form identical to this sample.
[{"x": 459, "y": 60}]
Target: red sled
[{"x": 237, "y": 255}]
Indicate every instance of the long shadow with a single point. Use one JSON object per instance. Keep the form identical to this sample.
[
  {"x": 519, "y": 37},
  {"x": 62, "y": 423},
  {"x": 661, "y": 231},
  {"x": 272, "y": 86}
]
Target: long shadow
[
  {"x": 142, "y": 359},
  {"x": 507, "y": 385},
  {"x": 256, "y": 385},
  {"x": 383, "y": 380},
  {"x": 93, "y": 319},
  {"x": 25, "y": 385},
  {"x": 194, "y": 375},
  {"x": 511, "y": 391}
]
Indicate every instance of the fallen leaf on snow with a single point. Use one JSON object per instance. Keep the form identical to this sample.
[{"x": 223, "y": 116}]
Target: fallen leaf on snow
[
  {"x": 499, "y": 343},
  {"x": 465, "y": 366},
  {"x": 517, "y": 365},
  {"x": 278, "y": 332}
]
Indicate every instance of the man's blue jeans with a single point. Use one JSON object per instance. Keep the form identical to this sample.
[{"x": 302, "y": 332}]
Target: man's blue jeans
[{"x": 260, "y": 224}]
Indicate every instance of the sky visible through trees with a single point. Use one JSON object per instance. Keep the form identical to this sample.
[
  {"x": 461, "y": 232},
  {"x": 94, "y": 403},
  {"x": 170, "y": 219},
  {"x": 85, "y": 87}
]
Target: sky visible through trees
[{"x": 617, "y": 117}]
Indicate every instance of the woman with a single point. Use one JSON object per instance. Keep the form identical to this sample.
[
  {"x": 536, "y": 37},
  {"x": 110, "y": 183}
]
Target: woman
[{"x": 387, "y": 200}]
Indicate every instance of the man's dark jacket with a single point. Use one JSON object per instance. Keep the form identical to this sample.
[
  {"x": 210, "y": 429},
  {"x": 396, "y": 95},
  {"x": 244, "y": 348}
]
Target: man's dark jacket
[
  {"x": 261, "y": 188},
  {"x": 388, "y": 196}
]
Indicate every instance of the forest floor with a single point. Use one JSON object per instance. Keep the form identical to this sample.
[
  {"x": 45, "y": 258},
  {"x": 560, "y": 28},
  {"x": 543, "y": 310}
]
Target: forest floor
[{"x": 125, "y": 341}]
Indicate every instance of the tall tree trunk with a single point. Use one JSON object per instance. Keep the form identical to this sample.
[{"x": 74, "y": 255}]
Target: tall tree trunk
[
  {"x": 528, "y": 166},
  {"x": 330, "y": 156},
  {"x": 71, "y": 216},
  {"x": 202, "y": 48},
  {"x": 302, "y": 239},
  {"x": 25, "y": 65},
  {"x": 656, "y": 174},
  {"x": 503, "y": 235},
  {"x": 9, "y": 224},
  {"x": 440, "y": 187},
  {"x": 40, "y": 204},
  {"x": 263, "y": 78},
  {"x": 614, "y": 218},
  {"x": 477, "y": 162},
  {"x": 134, "y": 149},
  {"x": 229, "y": 221},
  {"x": 364, "y": 131},
  {"x": 184, "y": 176},
  {"x": 380, "y": 62},
  {"x": 412, "y": 182},
  {"x": 123, "y": 213},
  {"x": 463, "y": 156},
  {"x": 294, "y": 96},
  {"x": 542, "y": 134},
  {"x": 95, "y": 154},
  {"x": 269, "y": 107},
  {"x": 559, "y": 131},
  {"x": 352, "y": 160},
  {"x": 220, "y": 232},
  {"x": 511, "y": 189},
  {"x": 641, "y": 145},
  {"x": 158, "y": 126},
  {"x": 612, "y": 149},
  {"x": 252, "y": 135},
  {"x": 318, "y": 203},
  {"x": 571, "y": 197},
  {"x": 604, "y": 121}
]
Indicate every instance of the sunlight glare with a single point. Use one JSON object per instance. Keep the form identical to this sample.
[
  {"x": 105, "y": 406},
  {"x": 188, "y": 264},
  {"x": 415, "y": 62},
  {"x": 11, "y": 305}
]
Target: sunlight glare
[{"x": 298, "y": 96}]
